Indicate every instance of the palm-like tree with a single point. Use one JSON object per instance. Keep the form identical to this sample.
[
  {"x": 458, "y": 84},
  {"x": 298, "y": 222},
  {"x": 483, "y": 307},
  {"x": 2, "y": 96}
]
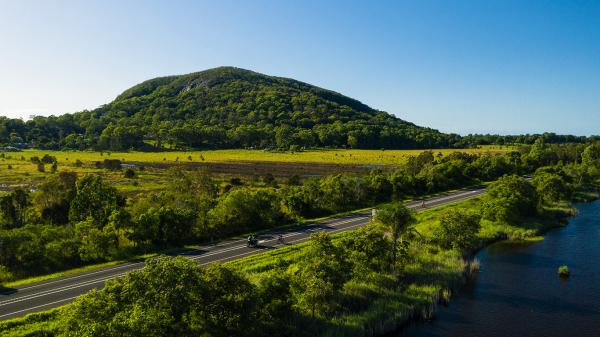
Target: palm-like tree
[{"x": 397, "y": 219}]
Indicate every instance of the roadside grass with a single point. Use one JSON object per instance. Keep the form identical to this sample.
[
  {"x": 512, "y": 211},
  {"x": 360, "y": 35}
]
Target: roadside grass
[
  {"x": 92, "y": 267},
  {"x": 33, "y": 325}
]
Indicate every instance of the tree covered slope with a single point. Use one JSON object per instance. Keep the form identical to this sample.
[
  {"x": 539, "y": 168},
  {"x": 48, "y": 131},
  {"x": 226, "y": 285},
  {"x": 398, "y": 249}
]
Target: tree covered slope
[{"x": 225, "y": 107}]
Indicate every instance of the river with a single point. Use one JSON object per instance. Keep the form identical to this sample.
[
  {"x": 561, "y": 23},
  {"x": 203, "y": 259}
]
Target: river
[{"x": 518, "y": 291}]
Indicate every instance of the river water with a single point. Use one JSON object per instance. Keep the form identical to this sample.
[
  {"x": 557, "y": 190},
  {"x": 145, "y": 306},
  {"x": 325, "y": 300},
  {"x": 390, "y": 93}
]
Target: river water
[{"x": 518, "y": 291}]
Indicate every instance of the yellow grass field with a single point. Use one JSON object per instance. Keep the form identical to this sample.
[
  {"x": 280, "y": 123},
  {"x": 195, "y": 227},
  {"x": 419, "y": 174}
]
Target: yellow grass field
[{"x": 348, "y": 157}]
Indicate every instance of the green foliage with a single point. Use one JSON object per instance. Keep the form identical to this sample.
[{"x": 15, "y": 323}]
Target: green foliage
[
  {"x": 96, "y": 199},
  {"x": 164, "y": 226},
  {"x": 5, "y": 275},
  {"x": 54, "y": 196},
  {"x": 129, "y": 173},
  {"x": 368, "y": 249},
  {"x": 563, "y": 271},
  {"x": 67, "y": 222},
  {"x": 320, "y": 276},
  {"x": 509, "y": 199},
  {"x": 13, "y": 207},
  {"x": 551, "y": 187},
  {"x": 243, "y": 210},
  {"x": 168, "y": 297},
  {"x": 224, "y": 108},
  {"x": 97, "y": 244},
  {"x": 397, "y": 219},
  {"x": 458, "y": 229},
  {"x": 591, "y": 155}
]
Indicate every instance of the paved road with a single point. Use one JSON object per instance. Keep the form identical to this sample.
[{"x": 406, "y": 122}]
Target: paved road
[{"x": 53, "y": 293}]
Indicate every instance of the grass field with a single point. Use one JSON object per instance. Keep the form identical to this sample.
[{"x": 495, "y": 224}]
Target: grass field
[
  {"x": 16, "y": 168},
  {"x": 327, "y": 156}
]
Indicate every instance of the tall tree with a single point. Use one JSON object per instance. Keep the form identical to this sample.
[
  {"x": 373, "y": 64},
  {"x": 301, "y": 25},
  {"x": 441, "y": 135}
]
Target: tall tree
[{"x": 397, "y": 219}]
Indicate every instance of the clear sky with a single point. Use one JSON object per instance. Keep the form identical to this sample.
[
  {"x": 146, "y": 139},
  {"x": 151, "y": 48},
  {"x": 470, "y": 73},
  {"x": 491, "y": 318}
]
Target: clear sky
[{"x": 458, "y": 66}]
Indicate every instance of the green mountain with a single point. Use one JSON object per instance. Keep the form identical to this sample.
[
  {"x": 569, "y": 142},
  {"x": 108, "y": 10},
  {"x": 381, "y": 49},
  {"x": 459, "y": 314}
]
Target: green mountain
[{"x": 225, "y": 107}]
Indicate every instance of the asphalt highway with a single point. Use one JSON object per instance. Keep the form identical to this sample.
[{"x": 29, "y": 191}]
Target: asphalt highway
[{"x": 56, "y": 292}]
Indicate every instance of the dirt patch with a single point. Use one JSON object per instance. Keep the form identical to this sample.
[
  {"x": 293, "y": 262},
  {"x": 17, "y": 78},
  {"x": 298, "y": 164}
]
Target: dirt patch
[{"x": 248, "y": 169}]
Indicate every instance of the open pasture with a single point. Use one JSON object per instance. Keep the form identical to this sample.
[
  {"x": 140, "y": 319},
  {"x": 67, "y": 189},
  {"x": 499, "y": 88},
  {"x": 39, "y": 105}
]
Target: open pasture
[
  {"x": 330, "y": 156},
  {"x": 17, "y": 169}
]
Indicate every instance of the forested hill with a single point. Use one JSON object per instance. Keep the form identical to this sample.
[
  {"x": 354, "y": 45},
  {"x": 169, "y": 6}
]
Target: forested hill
[
  {"x": 234, "y": 108},
  {"x": 224, "y": 108}
]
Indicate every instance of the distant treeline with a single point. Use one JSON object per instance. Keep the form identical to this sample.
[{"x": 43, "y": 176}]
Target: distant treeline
[
  {"x": 548, "y": 137},
  {"x": 85, "y": 130}
]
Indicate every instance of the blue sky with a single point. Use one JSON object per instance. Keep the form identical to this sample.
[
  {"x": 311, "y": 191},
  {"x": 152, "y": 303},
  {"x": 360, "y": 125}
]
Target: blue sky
[{"x": 458, "y": 66}]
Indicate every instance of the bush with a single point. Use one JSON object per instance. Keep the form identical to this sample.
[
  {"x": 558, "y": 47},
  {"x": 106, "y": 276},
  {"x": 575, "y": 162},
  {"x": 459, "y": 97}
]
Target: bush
[
  {"x": 458, "y": 229},
  {"x": 294, "y": 180},
  {"x": 563, "y": 271},
  {"x": 5, "y": 275},
  {"x": 48, "y": 159},
  {"x": 236, "y": 181},
  {"x": 269, "y": 179},
  {"x": 111, "y": 164},
  {"x": 129, "y": 173}
]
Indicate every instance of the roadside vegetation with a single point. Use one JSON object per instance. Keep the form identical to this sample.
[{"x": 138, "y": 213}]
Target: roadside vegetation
[{"x": 362, "y": 283}]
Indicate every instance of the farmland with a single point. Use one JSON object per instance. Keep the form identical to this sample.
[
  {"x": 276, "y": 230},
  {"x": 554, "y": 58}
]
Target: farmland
[{"x": 151, "y": 168}]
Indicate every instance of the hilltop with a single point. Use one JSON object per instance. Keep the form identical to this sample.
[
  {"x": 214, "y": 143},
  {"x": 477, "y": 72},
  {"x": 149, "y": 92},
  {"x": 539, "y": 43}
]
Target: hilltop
[{"x": 225, "y": 107}]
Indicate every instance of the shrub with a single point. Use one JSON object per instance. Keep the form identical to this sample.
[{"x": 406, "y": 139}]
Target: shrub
[
  {"x": 563, "y": 271},
  {"x": 269, "y": 179},
  {"x": 111, "y": 164},
  {"x": 294, "y": 180},
  {"x": 48, "y": 159},
  {"x": 129, "y": 173},
  {"x": 5, "y": 274},
  {"x": 236, "y": 181}
]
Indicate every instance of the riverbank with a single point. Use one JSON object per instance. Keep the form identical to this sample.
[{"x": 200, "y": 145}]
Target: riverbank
[
  {"x": 435, "y": 286},
  {"x": 518, "y": 291},
  {"x": 559, "y": 216}
]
